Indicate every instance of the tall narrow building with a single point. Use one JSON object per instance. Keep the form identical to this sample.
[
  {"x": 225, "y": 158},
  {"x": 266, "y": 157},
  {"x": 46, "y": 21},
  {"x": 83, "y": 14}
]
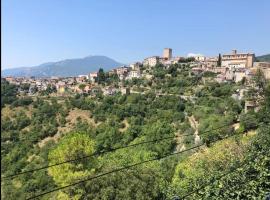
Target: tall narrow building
[{"x": 167, "y": 53}]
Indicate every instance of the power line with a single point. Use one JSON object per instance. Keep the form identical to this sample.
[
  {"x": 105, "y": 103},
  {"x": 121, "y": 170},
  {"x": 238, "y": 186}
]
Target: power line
[
  {"x": 123, "y": 168},
  {"x": 111, "y": 150}
]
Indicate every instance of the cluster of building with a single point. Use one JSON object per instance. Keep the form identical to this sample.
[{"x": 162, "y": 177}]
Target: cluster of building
[
  {"x": 229, "y": 67},
  {"x": 128, "y": 72},
  {"x": 123, "y": 72},
  {"x": 166, "y": 59},
  {"x": 78, "y": 84},
  {"x": 232, "y": 67},
  {"x": 40, "y": 84}
]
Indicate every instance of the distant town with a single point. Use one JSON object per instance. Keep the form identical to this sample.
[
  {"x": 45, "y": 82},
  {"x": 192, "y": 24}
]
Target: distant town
[{"x": 231, "y": 67}]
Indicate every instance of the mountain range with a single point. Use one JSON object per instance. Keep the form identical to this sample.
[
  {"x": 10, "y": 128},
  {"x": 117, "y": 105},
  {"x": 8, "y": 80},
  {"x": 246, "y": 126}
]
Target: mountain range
[
  {"x": 75, "y": 67},
  {"x": 65, "y": 68}
]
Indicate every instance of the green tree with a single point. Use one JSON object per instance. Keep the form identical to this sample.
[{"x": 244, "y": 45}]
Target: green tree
[
  {"x": 72, "y": 146},
  {"x": 101, "y": 78},
  {"x": 107, "y": 137},
  {"x": 82, "y": 86},
  {"x": 50, "y": 89},
  {"x": 8, "y": 93},
  {"x": 141, "y": 182},
  {"x": 156, "y": 131},
  {"x": 197, "y": 170},
  {"x": 214, "y": 122},
  {"x": 25, "y": 87},
  {"x": 219, "y": 60},
  {"x": 249, "y": 181},
  {"x": 260, "y": 81}
]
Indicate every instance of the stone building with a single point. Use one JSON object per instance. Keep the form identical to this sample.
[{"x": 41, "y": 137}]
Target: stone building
[
  {"x": 122, "y": 70},
  {"x": 238, "y": 60},
  {"x": 125, "y": 90},
  {"x": 167, "y": 53},
  {"x": 262, "y": 64},
  {"x": 151, "y": 61},
  {"x": 211, "y": 62},
  {"x": 266, "y": 73},
  {"x": 264, "y": 67},
  {"x": 135, "y": 66},
  {"x": 134, "y": 74},
  {"x": 239, "y": 75}
]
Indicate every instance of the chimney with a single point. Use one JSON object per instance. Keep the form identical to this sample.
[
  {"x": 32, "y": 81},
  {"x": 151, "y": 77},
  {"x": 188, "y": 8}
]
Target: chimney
[{"x": 234, "y": 52}]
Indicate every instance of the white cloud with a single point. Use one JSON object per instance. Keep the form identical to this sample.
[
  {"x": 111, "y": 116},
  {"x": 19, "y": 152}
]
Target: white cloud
[{"x": 194, "y": 54}]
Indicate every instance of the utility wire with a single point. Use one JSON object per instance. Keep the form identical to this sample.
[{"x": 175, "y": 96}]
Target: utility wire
[
  {"x": 123, "y": 168},
  {"x": 111, "y": 150}
]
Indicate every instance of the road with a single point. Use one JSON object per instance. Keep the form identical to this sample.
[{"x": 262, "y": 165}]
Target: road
[{"x": 185, "y": 97}]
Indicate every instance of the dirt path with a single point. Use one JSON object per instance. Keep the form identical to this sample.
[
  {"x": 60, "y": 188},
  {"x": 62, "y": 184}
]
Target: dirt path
[
  {"x": 194, "y": 124},
  {"x": 179, "y": 143}
]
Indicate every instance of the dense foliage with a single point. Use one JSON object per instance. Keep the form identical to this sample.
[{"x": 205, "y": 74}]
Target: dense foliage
[
  {"x": 8, "y": 93},
  {"x": 42, "y": 131}
]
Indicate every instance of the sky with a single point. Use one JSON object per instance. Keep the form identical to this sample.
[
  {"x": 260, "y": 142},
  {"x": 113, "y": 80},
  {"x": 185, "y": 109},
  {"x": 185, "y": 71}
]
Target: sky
[{"x": 39, "y": 31}]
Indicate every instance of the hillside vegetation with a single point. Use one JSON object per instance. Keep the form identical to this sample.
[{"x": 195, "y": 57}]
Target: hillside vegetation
[{"x": 228, "y": 164}]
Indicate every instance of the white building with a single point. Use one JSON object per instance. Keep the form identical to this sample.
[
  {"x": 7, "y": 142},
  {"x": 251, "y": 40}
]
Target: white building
[
  {"x": 110, "y": 91},
  {"x": 83, "y": 76},
  {"x": 239, "y": 75},
  {"x": 151, "y": 61},
  {"x": 229, "y": 76},
  {"x": 93, "y": 76},
  {"x": 148, "y": 76},
  {"x": 122, "y": 70},
  {"x": 198, "y": 57},
  {"x": 122, "y": 77},
  {"x": 134, "y": 74},
  {"x": 135, "y": 66},
  {"x": 235, "y": 65}
]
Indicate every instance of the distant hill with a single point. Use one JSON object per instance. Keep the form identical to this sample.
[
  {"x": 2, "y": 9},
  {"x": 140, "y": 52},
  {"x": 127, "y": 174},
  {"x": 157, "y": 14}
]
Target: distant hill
[
  {"x": 69, "y": 67},
  {"x": 264, "y": 58}
]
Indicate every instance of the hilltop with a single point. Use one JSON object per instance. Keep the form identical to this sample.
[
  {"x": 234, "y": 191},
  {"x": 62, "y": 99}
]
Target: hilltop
[
  {"x": 263, "y": 58},
  {"x": 64, "y": 68}
]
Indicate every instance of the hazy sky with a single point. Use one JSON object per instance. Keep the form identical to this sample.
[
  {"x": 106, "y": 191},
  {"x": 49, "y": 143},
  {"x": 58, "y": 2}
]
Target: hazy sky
[{"x": 37, "y": 31}]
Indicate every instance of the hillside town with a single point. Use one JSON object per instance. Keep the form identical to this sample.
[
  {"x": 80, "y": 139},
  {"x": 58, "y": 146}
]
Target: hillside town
[{"x": 231, "y": 67}]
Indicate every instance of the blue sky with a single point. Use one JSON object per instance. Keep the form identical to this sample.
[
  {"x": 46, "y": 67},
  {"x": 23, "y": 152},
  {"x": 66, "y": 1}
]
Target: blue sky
[{"x": 38, "y": 31}]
